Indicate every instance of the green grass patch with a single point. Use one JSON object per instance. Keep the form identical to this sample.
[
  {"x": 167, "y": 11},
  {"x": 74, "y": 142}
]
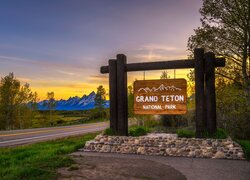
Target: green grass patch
[
  {"x": 185, "y": 133},
  {"x": 219, "y": 134},
  {"x": 245, "y": 144},
  {"x": 132, "y": 131},
  {"x": 39, "y": 161},
  {"x": 137, "y": 131}
]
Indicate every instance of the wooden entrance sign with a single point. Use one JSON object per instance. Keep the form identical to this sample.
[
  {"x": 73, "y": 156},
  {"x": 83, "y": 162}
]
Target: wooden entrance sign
[
  {"x": 204, "y": 65},
  {"x": 166, "y": 96}
]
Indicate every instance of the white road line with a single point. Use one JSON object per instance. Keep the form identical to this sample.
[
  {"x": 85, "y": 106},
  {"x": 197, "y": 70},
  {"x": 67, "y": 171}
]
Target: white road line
[
  {"x": 39, "y": 137},
  {"x": 50, "y": 128}
]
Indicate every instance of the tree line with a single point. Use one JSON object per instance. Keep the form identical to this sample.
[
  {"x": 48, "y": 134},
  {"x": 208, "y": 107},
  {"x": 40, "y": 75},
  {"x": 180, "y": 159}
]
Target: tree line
[
  {"x": 19, "y": 105},
  {"x": 225, "y": 30}
]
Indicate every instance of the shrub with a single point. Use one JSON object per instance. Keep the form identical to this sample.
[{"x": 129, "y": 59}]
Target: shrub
[
  {"x": 185, "y": 133},
  {"x": 220, "y": 134},
  {"x": 233, "y": 110},
  {"x": 137, "y": 131},
  {"x": 151, "y": 123},
  {"x": 109, "y": 132},
  {"x": 60, "y": 121},
  {"x": 245, "y": 144}
]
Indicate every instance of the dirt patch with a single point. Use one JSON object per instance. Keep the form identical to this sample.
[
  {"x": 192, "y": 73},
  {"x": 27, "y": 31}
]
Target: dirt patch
[{"x": 90, "y": 167}]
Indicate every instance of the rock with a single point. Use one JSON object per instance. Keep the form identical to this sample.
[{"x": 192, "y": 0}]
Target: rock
[
  {"x": 166, "y": 145},
  {"x": 98, "y": 137},
  {"x": 219, "y": 155},
  {"x": 141, "y": 150},
  {"x": 106, "y": 148},
  {"x": 137, "y": 141},
  {"x": 230, "y": 146},
  {"x": 191, "y": 154}
]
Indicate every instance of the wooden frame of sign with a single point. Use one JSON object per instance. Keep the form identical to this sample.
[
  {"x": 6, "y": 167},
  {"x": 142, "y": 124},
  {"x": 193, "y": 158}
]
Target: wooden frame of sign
[{"x": 204, "y": 65}]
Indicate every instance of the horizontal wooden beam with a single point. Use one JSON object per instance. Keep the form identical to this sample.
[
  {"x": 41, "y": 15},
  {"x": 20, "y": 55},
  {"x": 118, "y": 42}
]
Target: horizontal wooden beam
[{"x": 176, "y": 64}]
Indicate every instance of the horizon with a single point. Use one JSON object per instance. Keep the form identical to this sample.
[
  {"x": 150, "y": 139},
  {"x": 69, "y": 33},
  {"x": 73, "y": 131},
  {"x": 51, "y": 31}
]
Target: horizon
[{"x": 60, "y": 46}]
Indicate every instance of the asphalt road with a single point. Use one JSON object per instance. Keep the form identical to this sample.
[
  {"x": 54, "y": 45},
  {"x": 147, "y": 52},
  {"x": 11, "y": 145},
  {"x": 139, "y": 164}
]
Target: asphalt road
[
  {"x": 191, "y": 168},
  {"x": 28, "y": 136}
]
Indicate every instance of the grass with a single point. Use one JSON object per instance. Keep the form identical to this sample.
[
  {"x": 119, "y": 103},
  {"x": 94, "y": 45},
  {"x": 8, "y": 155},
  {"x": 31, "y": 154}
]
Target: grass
[
  {"x": 219, "y": 134},
  {"x": 41, "y": 160},
  {"x": 245, "y": 144},
  {"x": 185, "y": 133},
  {"x": 132, "y": 131},
  {"x": 137, "y": 131}
]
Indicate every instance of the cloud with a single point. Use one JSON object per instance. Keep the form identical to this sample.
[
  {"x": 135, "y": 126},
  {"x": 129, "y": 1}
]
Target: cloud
[
  {"x": 44, "y": 63},
  {"x": 161, "y": 52},
  {"x": 160, "y": 57},
  {"x": 152, "y": 47},
  {"x": 98, "y": 77},
  {"x": 66, "y": 73}
]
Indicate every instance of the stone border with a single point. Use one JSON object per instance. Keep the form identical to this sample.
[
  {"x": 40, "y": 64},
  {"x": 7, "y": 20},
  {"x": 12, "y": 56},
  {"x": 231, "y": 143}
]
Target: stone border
[{"x": 166, "y": 145}]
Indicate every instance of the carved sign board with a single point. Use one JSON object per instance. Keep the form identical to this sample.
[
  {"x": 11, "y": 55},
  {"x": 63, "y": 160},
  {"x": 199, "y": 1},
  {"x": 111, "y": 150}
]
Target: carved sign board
[{"x": 166, "y": 96}]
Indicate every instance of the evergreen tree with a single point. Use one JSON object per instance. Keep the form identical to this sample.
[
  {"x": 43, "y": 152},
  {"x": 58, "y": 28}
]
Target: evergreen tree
[
  {"x": 100, "y": 98},
  {"x": 130, "y": 101},
  {"x": 164, "y": 75}
]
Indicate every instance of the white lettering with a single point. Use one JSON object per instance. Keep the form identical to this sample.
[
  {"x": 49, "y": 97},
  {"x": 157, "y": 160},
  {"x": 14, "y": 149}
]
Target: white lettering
[
  {"x": 151, "y": 107},
  {"x": 171, "y": 106},
  {"x": 146, "y": 99},
  {"x": 168, "y": 98}
]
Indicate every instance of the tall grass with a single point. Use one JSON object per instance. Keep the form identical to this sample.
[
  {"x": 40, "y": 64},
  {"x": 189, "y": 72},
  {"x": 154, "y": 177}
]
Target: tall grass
[{"x": 39, "y": 161}]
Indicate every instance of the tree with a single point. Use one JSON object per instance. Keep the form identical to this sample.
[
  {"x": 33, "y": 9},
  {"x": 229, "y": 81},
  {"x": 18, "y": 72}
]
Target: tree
[
  {"x": 100, "y": 98},
  {"x": 50, "y": 104},
  {"x": 164, "y": 75},
  {"x": 26, "y": 101},
  {"x": 9, "y": 91},
  {"x": 130, "y": 101},
  {"x": 225, "y": 30},
  {"x": 15, "y": 103}
]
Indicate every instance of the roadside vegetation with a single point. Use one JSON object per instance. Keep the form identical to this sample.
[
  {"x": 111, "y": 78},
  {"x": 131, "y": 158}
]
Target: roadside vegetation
[
  {"x": 41, "y": 160},
  {"x": 245, "y": 144},
  {"x": 19, "y": 109}
]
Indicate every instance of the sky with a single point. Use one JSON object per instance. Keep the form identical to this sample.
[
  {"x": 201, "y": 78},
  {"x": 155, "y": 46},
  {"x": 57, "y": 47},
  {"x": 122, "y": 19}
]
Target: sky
[{"x": 60, "y": 45}]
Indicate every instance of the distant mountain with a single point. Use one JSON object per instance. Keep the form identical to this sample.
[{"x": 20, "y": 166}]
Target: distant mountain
[{"x": 74, "y": 103}]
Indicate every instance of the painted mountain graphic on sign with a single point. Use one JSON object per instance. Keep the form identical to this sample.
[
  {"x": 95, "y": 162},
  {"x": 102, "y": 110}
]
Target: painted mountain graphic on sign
[{"x": 162, "y": 87}]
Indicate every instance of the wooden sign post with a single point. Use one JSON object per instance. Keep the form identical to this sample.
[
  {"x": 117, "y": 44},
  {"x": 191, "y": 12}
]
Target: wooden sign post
[
  {"x": 170, "y": 102},
  {"x": 166, "y": 96}
]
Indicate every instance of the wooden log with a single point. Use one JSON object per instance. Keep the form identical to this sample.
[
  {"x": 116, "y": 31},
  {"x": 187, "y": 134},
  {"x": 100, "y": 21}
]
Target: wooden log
[
  {"x": 175, "y": 64},
  {"x": 113, "y": 94},
  {"x": 199, "y": 92},
  {"x": 122, "y": 97},
  {"x": 210, "y": 92}
]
